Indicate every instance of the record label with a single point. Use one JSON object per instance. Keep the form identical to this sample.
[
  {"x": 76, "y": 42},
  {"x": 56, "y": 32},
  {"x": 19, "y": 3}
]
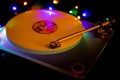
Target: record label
[{"x": 44, "y": 27}]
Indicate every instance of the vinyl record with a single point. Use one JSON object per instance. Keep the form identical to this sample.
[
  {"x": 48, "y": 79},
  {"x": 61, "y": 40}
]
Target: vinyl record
[{"x": 34, "y": 30}]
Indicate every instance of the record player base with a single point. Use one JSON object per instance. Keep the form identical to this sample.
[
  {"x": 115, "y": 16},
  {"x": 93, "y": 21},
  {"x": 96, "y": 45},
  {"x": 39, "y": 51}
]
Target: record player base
[{"x": 76, "y": 62}]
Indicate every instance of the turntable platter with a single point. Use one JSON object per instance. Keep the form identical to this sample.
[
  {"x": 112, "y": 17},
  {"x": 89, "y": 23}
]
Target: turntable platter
[{"x": 33, "y": 30}]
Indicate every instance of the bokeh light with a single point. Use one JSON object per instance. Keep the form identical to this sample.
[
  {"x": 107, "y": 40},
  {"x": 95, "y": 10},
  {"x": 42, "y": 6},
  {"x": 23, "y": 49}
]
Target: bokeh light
[
  {"x": 70, "y": 12},
  {"x": 76, "y": 7},
  {"x": 0, "y": 25},
  {"x": 25, "y": 3},
  {"x": 78, "y": 17},
  {"x": 14, "y": 8},
  {"x": 86, "y": 14},
  {"x": 55, "y": 1}
]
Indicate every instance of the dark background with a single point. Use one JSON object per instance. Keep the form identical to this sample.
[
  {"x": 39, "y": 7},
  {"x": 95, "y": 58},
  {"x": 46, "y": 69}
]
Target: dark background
[{"x": 106, "y": 67}]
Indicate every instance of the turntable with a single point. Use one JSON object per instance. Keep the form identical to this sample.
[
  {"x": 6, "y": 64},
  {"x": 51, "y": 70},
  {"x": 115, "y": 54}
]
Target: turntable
[{"x": 54, "y": 39}]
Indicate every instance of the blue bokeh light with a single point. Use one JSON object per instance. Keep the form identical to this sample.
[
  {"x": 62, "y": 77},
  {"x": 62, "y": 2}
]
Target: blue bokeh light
[
  {"x": 14, "y": 8},
  {"x": 0, "y": 25},
  {"x": 50, "y": 8},
  {"x": 86, "y": 13}
]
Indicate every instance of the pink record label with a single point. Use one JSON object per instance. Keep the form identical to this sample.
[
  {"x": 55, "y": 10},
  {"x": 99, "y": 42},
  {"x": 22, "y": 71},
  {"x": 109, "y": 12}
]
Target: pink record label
[{"x": 44, "y": 27}]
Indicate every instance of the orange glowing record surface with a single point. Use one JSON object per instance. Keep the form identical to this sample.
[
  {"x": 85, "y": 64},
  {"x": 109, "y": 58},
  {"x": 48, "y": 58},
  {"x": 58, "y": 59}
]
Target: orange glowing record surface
[{"x": 33, "y": 30}]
